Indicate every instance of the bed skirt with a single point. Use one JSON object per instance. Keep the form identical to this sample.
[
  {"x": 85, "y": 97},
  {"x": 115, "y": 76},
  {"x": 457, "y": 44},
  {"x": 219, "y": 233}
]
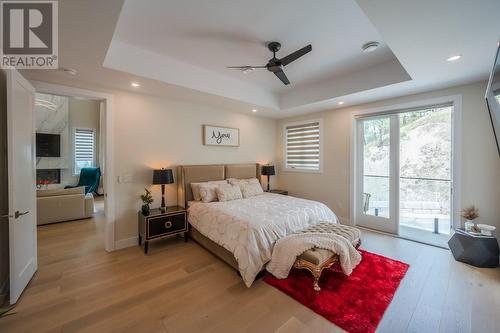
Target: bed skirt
[{"x": 213, "y": 247}]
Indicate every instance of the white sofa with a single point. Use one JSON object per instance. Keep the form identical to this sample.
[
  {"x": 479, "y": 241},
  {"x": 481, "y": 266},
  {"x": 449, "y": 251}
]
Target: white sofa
[{"x": 63, "y": 205}]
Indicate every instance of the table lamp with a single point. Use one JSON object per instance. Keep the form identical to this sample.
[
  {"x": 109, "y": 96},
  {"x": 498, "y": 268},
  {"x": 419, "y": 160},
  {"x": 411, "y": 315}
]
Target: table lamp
[
  {"x": 268, "y": 170},
  {"x": 162, "y": 177}
]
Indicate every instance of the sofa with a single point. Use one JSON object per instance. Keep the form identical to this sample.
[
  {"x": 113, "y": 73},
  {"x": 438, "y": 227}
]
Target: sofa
[{"x": 60, "y": 205}]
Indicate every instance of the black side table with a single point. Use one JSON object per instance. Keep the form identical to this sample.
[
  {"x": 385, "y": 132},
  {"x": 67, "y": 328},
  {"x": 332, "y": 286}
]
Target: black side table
[
  {"x": 479, "y": 251},
  {"x": 160, "y": 224}
]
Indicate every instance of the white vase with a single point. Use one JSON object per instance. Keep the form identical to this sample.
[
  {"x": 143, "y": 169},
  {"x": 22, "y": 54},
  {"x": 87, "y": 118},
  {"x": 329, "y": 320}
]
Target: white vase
[{"x": 468, "y": 225}]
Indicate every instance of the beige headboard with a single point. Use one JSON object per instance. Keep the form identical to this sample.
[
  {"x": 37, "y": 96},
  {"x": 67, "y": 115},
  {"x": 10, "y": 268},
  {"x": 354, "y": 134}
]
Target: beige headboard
[{"x": 187, "y": 174}]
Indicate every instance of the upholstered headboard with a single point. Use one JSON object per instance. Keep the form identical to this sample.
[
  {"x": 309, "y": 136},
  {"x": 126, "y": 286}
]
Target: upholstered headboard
[{"x": 187, "y": 174}]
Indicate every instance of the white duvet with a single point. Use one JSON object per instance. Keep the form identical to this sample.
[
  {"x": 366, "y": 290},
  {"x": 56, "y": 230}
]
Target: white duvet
[{"x": 250, "y": 227}]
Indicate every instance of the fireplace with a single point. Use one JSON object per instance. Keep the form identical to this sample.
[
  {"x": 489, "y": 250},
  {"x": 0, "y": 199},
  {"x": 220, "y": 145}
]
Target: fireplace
[{"x": 48, "y": 176}]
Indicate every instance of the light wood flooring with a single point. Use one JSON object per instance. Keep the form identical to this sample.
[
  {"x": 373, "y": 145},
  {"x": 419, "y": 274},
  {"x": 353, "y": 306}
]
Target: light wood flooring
[{"x": 180, "y": 287}]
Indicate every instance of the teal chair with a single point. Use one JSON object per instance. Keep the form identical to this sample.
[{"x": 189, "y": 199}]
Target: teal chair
[{"x": 90, "y": 178}]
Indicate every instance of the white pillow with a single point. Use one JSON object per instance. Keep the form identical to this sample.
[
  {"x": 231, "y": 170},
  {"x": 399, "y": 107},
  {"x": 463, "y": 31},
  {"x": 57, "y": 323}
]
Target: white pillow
[
  {"x": 239, "y": 182},
  {"x": 228, "y": 192},
  {"x": 195, "y": 188},
  {"x": 207, "y": 190},
  {"x": 251, "y": 189}
]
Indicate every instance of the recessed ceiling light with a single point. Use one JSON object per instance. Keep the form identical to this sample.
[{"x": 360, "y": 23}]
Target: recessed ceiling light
[
  {"x": 341, "y": 102},
  {"x": 370, "y": 47},
  {"x": 455, "y": 57},
  {"x": 135, "y": 84},
  {"x": 254, "y": 110},
  {"x": 70, "y": 71}
]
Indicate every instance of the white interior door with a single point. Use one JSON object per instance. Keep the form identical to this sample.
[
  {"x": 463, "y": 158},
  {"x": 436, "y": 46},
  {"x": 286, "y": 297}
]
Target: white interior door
[
  {"x": 376, "y": 179},
  {"x": 21, "y": 174}
]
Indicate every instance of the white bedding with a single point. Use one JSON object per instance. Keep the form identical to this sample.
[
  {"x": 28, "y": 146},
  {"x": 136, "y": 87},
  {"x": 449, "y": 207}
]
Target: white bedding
[{"x": 250, "y": 227}]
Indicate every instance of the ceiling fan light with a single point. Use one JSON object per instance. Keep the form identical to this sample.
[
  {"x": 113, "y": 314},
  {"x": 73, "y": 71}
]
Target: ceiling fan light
[{"x": 370, "y": 47}]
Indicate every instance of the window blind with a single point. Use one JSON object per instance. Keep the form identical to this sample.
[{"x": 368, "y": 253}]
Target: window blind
[
  {"x": 303, "y": 146},
  {"x": 84, "y": 149}
]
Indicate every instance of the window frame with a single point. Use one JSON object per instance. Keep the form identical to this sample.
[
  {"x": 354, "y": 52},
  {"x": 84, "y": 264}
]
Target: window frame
[
  {"x": 285, "y": 145},
  {"x": 73, "y": 152}
]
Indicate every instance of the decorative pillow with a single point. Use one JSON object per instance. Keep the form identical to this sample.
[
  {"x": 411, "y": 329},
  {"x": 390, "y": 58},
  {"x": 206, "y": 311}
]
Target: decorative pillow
[
  {"x": 207, "y": 190},
  {"x": 251, "y": 189},
  {"x": 195, "y": 187},
  {"x": 239, "y": 182},
  {"x": 228, "y": 192}
]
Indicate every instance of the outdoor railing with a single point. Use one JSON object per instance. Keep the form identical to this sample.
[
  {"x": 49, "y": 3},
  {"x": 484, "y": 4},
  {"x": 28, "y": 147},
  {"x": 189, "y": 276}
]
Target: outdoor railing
[{"x": 425, "y": 202}]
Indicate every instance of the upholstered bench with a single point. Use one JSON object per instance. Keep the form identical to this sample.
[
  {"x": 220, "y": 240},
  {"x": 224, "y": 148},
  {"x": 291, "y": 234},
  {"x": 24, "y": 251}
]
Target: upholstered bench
[{"x": 316, "y": 260}]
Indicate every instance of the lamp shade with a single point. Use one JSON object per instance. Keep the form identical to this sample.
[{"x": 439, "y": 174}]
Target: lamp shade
[
  {"x": 163, "y": 176},
  {"x": 268, "y": 170}
]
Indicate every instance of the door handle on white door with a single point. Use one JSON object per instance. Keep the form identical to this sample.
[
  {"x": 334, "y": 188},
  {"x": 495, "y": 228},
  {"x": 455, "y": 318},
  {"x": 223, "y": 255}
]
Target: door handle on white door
[{"x": 17, "y": 214}]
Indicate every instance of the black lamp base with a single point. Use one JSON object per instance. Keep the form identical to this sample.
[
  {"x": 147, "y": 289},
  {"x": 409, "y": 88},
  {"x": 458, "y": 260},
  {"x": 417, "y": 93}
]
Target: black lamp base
[{"x": 163, "y": 209}]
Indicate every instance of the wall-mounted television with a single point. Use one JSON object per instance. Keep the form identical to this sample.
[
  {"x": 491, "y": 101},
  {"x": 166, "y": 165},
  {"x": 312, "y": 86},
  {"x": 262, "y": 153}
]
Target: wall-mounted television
[
  {"x": 493, "y": 98},
  {"x": 48, "y": 145}
]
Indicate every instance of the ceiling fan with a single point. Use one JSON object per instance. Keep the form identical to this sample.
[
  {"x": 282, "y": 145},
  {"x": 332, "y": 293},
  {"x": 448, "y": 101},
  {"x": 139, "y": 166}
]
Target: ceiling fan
[{"x": 275, "y": 65}]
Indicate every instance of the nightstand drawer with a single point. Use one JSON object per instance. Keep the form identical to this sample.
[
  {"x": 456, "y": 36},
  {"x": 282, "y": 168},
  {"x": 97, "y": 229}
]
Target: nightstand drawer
[{"x": 165, "y": 225}]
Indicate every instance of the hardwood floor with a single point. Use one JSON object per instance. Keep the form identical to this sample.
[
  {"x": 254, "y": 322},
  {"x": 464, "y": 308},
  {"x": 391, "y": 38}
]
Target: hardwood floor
[{"x": 180, "y": 287}]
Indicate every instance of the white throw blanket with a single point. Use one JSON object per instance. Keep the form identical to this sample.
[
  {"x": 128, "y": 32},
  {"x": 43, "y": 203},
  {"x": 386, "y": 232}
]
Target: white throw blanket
[{"x": 289, "y": 248}]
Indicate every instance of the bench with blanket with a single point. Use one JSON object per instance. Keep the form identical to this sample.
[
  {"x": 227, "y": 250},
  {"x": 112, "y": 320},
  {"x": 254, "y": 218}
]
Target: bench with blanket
[{"x": 317, "y": 248}]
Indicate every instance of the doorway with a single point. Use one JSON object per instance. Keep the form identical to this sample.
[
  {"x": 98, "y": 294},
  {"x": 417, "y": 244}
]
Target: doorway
[
  {"x": 404, "y": 175},
  {"x": 106, "y": 142},
  {"x": 22, "y": 213},
  {"x": 70, "y": 158}
]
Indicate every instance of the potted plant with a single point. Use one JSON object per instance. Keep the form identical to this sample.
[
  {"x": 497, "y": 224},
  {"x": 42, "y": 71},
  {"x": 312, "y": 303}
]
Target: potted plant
[
  {"x": 147, "y": 199},
  {"x": 470, "y": 214}
]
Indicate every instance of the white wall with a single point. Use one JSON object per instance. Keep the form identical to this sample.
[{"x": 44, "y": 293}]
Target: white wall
[
  {"x": 153, "y": 132},
  {"x": 480, "y": 160}
]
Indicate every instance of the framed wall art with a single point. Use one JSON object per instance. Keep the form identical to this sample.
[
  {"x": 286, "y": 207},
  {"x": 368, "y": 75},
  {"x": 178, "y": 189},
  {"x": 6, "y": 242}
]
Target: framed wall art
[{"x": 221, "y": 136}]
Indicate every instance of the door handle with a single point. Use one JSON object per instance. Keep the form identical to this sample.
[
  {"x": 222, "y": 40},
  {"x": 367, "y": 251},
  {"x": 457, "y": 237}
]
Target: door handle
[
  {"x": 17, "y": 214},
  {"x": 6, "y": 216}
]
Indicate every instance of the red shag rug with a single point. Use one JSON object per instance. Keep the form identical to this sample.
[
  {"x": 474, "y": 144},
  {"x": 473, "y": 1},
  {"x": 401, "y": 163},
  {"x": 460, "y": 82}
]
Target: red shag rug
[{"x": 357, "y": 302}]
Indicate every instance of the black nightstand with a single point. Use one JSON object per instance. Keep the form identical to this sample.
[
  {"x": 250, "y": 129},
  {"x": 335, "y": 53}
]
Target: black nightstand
[
  {"x": 279, "y": 192},
  {"x": 160, "y": 224}
]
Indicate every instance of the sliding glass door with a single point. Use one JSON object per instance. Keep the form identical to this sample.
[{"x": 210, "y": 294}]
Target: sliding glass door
[
  {"x": 376, "y": 185},
  {"x": 404, "y": 173}
]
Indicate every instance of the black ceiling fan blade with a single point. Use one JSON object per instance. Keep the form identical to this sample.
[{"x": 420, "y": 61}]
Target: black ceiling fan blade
[
  {"x": 295, "y": 55},
  {"x": 243, "y": 67},
  {"x": 281, "y": 75}
]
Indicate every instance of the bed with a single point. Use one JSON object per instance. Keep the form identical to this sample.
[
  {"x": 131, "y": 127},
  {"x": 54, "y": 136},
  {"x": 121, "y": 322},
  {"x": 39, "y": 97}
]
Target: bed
[{"x": 243, "y": 232}]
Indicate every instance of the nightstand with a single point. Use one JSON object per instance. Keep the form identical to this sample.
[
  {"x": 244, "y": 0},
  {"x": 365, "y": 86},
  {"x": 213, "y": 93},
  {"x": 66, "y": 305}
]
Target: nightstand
[
  {"x": 283, "y": 192},
  {"x": 160, "y": 224}
]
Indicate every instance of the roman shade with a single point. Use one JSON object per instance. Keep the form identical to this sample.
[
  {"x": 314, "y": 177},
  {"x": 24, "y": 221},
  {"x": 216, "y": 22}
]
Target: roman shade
[
  {"x": 84, "y": 149},
  {"x": 302, "y": 149}
]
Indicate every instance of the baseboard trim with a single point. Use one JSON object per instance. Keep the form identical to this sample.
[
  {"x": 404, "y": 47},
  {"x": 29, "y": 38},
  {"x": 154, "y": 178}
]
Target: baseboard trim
[{"x": 127, "y": 242}]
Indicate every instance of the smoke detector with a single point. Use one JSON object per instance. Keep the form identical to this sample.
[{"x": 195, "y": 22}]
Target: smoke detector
[{"x": 370, "y": 47}]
